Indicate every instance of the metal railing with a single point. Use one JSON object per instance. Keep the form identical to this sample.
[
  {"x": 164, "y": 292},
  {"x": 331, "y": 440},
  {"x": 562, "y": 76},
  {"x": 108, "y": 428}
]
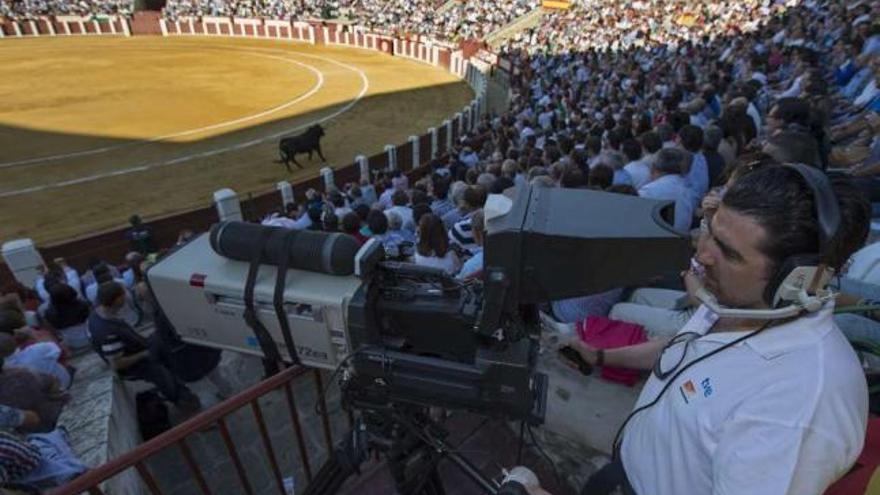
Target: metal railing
[{"x": 90, "y": 481}]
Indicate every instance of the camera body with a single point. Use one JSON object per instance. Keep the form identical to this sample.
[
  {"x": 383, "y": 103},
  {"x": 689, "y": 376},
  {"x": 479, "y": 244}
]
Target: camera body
[
  {"x": 202, "y": 294},
  {"x": 410, "y": 334}
]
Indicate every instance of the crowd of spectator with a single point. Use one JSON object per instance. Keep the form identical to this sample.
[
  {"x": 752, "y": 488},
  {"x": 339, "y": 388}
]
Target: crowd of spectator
[
  {"x": 301, "y": 10},
  {"x": 31, "y": 9},
  {"x": 105, "y": 310},
  {"x": 459, "y": 21},
  {"x": 623, "y": 24}
]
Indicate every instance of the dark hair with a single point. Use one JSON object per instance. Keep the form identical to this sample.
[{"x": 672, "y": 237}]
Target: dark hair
[
  {"x": 792, "y": 111},
  {"x": 419, "y": 197},
  {"x": 795, "y": 147},
  {"x": 670, "y": 161},
  {"x": 102, "y": 273},
  {"x": 11, "y": 320},
  {"x": 419, "y": 210},
  {"x": 623, "y": 189},
  {"x": 65, "y": 308},
  {"x": 736, "y": 123},
  {"x": 632, "y": 149},
  {"x": 54, "y": 275},
  {"x": 351, "y": 223},
  {"x": 62, "y": 295},
  {"x": 329, "y": 221},
  {"x": 678, "y": 120},
  {"x": 664, "y": 132},
  {"x": 616, "y": 136},
  {"x": 440, "y": 186},
  {"x": 377, "y": 222},
  {"x": 780, "y": 200},
  {"x": 314, "y": 215},
  {"x": 475, "y": 197},
  {"x": 109, "y": 292},
  {"x": 691, "y": 138},
  {"x": 362, "y": 211},
  {"x": 651, "y": 142},
  {"x": 573, "y": 178},
  {"x": 336, "y": 198},
  {"x": 433, "y": 240},
  {"x": 399, "y": 198},
  {"x": 501, "y": 184},
  {"x": 601, "y": 177}
]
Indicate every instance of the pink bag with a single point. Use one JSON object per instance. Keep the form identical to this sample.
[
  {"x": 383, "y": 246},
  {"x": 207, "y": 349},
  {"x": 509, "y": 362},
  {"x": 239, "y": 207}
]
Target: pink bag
[{"x": 604, "y": 333}]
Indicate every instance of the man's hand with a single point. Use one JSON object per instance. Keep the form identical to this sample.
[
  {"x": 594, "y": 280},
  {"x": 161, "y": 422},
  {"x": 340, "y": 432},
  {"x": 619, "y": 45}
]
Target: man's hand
[{"x": 586, "y": 352}]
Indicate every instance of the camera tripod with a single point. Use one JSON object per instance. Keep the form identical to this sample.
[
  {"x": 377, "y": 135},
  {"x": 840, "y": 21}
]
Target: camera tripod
[{"x": 411, "y": 442}]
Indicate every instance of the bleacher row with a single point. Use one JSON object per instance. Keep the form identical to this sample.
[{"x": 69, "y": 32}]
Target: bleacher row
[
  {"x": 667, "y": 100},
  {"x": 457, "y": 21}
]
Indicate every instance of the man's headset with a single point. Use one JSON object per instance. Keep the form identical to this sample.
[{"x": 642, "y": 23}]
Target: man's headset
[{"x": 801, "y": 279}]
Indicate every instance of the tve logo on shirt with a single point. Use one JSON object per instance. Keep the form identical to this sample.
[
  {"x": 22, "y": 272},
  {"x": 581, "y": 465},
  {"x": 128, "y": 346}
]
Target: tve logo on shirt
[{"x": 689, "y": 391}]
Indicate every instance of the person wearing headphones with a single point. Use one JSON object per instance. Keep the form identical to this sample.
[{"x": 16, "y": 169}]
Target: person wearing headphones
[{"x": 760, "y": 392}]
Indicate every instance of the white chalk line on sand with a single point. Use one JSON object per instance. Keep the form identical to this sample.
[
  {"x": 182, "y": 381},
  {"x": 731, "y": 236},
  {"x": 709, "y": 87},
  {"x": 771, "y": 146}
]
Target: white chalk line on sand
[
  {"x": 142, "y": 168},
  {"x": 38, "y": 161}
]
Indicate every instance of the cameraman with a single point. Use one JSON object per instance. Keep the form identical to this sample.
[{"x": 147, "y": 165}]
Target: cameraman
[{"x": 771, "y": 406}]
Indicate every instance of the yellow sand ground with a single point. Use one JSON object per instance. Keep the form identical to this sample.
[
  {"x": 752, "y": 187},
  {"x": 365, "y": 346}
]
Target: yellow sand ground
[{"x": 178, "y": 118}]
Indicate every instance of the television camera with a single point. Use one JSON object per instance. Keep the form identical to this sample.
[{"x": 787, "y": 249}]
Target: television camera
[{"x": 406, "y": 337}]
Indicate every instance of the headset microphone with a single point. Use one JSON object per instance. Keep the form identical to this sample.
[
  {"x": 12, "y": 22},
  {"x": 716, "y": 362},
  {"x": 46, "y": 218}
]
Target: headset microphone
[
  {"x": 800, "y": 280},
  {"x": 801, "y": 301}
]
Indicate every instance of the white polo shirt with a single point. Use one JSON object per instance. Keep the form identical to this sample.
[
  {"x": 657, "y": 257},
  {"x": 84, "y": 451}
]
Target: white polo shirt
[{"x": 784, "y": 412}]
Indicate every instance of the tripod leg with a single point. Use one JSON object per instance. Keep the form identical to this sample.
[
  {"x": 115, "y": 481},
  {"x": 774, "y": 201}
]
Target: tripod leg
[
  {"x": 435, "y": 486},
  {"x": 344, "y": 462},
  {"x": 329, "y": 479}
]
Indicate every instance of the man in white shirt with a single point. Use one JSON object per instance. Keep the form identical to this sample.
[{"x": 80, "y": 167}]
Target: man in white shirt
[
  {"x": 669, "y": 184},
  {"x": 752, "y": 406}
]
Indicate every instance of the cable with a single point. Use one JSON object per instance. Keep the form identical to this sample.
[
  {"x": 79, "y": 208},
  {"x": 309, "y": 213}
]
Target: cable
[
  {"x": 618, "y": 438},
  {"x": 544, "y": 454},
  {"x": 522, "y": 427},
  {"x": 323, "y": 393}
]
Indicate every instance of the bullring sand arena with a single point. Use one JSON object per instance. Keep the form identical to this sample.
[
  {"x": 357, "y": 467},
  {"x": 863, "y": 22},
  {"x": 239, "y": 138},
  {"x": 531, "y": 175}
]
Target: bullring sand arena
[{"x": 93, "y": 130}]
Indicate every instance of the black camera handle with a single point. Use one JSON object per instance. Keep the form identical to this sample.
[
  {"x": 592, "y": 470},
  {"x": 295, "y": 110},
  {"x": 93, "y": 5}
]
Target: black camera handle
[
  {"x": 267, "y": 345},
  {"x": 278, "y": 299}
]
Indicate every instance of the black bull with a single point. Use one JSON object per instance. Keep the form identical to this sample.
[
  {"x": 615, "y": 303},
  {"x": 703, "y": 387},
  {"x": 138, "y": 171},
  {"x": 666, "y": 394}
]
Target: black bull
[{"x": 307, "y": 142}]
